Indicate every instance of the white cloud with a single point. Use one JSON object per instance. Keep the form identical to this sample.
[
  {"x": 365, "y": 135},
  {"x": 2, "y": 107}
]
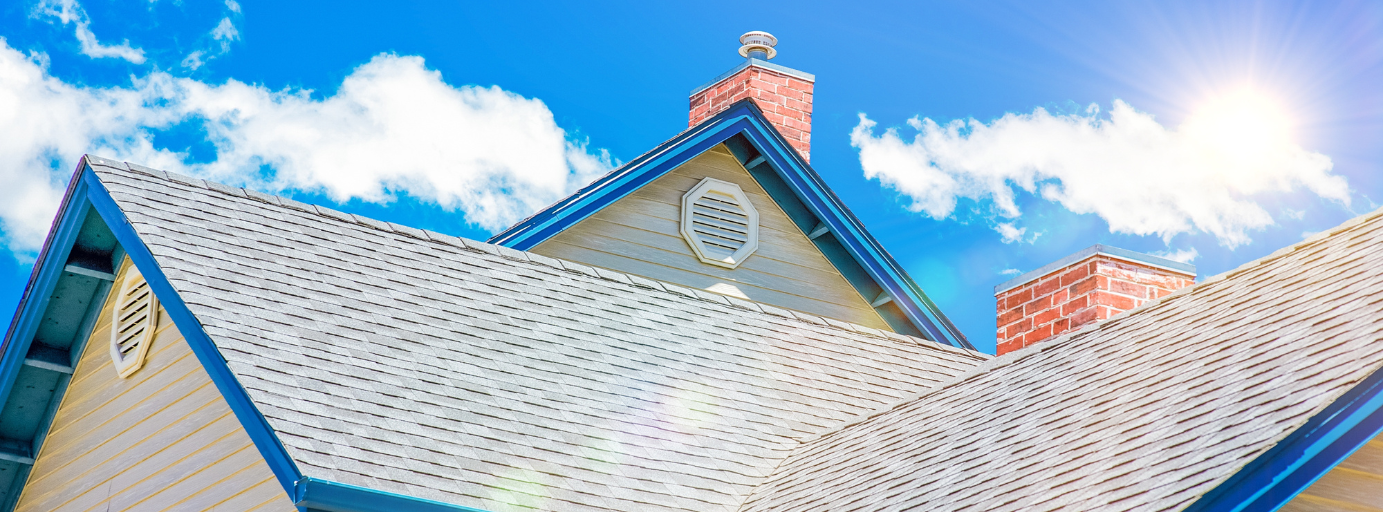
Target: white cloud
[
  {"x": 1181, "y": 255},
  {"x": 225, "y": 31},
  {"x": 1140, "y": 177},
  {"x": 1010, "y": 272},
  {"x": 393, "y": 127},
  {"x": 219, "y": 42},
  {"x": 70, "y": 12},
  {"x": 1009, "y": 233}
]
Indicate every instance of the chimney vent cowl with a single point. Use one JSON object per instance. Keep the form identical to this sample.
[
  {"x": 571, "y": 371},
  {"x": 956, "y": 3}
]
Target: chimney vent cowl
[{"x": 758, "y": 45}]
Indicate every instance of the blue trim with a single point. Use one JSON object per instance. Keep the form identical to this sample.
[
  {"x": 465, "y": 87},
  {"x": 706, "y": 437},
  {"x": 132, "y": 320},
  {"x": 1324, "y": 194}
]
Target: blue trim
[
  {"x": 52, "y": 262},
  {"x": 745, "y": 118},
  {"x": 1304, "y": 456},
  {"x": 42, "y": 281},
  {"x": 254, "y": 423},
  {"x": 321, "y": 495},
  {"x": 610, "y": 188}
]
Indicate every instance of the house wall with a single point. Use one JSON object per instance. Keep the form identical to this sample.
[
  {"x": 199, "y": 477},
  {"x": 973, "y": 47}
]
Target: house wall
[
  {"x": 639, "y": 235},
  {"x": 1356, "y": 485},
  {"x": 162, "y": 439}
]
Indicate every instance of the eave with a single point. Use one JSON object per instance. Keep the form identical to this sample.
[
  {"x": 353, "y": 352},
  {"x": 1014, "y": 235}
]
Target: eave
[{"x": 87, "y": 206}]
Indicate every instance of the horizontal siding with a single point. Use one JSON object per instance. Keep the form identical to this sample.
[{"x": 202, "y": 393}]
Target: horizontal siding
[
  {"x": 640, "y": 234},
  {"x": 1356, "y": 484},
  {"x": 163, "y": 439}
]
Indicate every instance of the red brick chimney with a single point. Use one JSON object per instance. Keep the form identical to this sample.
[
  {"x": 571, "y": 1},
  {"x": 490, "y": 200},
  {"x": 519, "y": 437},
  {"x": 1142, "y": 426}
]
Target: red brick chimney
[
  {"x": 1089, "y": 286},
  {"x": 783, "y": 94}
]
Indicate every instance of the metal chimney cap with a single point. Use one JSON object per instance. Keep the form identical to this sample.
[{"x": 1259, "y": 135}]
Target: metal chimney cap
[{"x": 758, "y": 44}]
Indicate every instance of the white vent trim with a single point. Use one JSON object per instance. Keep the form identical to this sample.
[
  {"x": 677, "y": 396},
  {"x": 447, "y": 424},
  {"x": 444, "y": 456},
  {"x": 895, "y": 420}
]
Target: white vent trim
[
  {"x": 719, "y": 223},
  {"x": 132, "y": 323}
]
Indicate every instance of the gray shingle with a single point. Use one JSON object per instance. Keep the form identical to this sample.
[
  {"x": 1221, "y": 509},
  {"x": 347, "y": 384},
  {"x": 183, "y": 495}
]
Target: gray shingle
[
  {"x": 1146, "y": 411},
  {"x": 450, "y": 369}
]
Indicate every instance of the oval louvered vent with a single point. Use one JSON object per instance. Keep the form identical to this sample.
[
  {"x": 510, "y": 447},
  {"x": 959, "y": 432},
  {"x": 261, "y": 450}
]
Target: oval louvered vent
[
  {"x": 720, "y": 223},
  {"x": 133, "y": 324}
]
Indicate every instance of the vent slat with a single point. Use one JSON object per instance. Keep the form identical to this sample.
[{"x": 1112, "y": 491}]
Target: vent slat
[
  {"x": 699, "y": 222},
  {"x": 133, "y": 324},
  {"x": 738, "y": 220},
  {"x": 719, "y": 222},
  {"x": 727, "y": 236},
  {"x": 729, "y": 205}
]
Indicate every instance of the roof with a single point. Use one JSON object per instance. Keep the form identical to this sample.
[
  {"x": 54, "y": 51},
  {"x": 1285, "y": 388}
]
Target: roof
[
  {"x": 793, "y": 184},
  {"x": 423, "y": 364},
  {"x": 1147, "y": 411}
]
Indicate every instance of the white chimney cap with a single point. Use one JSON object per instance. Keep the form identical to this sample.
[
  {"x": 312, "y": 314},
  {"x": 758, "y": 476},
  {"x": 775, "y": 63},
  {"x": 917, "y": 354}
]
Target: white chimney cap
[{"x": 758, "y": 42}]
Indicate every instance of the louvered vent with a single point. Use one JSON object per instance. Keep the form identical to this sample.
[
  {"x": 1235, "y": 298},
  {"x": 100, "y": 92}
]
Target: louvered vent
[
  {"x": 719, "y": 223},
  {"x": 133, "y": 324}
]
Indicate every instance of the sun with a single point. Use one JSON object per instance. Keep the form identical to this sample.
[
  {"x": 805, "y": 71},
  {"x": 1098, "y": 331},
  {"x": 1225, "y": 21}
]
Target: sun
[{"x": 1245, "y": 124}]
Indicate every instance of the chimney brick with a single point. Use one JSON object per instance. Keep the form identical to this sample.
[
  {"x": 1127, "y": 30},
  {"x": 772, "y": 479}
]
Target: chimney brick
[
  {"x": 785, "y": 100},
  {"x": 1090, "y": 289}
]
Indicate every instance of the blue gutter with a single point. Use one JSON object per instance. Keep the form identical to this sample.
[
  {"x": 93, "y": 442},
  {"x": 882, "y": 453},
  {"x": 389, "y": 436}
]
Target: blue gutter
[
  {"x": 324, "y": 496},
  {"x": 250, "y": 418},
  {"x": 744, "y": 117},
  {"x": 1304, "y": 456}
]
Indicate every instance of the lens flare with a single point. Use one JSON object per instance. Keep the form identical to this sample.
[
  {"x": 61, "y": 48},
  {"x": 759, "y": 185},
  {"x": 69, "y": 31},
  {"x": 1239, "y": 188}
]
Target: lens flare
[{"x": 1243, "y": 126}]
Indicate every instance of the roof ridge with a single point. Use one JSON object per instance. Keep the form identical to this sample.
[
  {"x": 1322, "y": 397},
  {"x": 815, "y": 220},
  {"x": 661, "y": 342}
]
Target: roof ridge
[
  {"x": 1115, "y": 321},
  {"x": 618, "y": 169},
  {"x": 476, "y": 246}
]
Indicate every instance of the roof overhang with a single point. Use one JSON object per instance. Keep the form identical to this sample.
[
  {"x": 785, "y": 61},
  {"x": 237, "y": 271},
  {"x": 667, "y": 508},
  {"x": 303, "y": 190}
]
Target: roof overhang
[
  {"x": 764, "y": 152},
  {"x": 1304, "y": 456},
  {"x": 87, "y": 206}
]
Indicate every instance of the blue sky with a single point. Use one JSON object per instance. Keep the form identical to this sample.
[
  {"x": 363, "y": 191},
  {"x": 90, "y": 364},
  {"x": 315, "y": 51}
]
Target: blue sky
[{"x": 1219, "y": 132}]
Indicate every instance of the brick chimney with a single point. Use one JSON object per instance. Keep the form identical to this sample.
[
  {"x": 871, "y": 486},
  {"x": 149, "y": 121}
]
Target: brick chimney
[
  {"x": 783, "y": 94},
  {"x": 1088, "y": 286}
]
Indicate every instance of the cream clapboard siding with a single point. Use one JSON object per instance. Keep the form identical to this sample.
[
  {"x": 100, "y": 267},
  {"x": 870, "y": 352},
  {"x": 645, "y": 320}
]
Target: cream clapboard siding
[
  {"x": 1356, "y": 485},
  {"x": 162, "y": 439},
  {"x": 639, "y": 235}
]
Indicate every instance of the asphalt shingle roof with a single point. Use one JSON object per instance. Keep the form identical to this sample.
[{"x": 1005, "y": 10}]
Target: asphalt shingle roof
[
  {"x": 1147, "y": 411},
  {"x": 428, "y": 365}
]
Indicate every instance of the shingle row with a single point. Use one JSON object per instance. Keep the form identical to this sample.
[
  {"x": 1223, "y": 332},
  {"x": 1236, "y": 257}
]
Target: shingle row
[{"x": 449, "y": 369}]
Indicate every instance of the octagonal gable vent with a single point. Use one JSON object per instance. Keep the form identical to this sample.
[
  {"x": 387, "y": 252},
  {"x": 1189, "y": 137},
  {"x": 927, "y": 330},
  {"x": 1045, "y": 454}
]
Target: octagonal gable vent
[
  {"x": 133, "y": 324},
  {"x": 719, "y": 223}
]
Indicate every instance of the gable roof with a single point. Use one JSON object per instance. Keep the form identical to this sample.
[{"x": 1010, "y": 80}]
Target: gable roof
[
  {"x": 426, "y": 365},
  {"x": 792, "y": 182},
  {"x": 1210, "y": 398}
]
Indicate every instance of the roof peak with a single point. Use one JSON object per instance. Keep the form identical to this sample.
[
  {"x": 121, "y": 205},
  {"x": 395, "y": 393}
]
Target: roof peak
[{"x": 475, "y": 246}]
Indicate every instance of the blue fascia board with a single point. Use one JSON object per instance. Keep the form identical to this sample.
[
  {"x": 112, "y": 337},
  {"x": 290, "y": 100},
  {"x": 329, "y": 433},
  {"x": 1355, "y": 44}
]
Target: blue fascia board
[
  {"x": 866, "y": 250},
  {"x": 42, "y": 280},
  {"x": 326, "y": 496},
  {"x": 1304, "y": 456},
  {"x": 52, "y": 260},
  {"x": 612, "y": 187},
  {"x": 744, "y": 117},
  {"x": 254, "y": 423}
]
